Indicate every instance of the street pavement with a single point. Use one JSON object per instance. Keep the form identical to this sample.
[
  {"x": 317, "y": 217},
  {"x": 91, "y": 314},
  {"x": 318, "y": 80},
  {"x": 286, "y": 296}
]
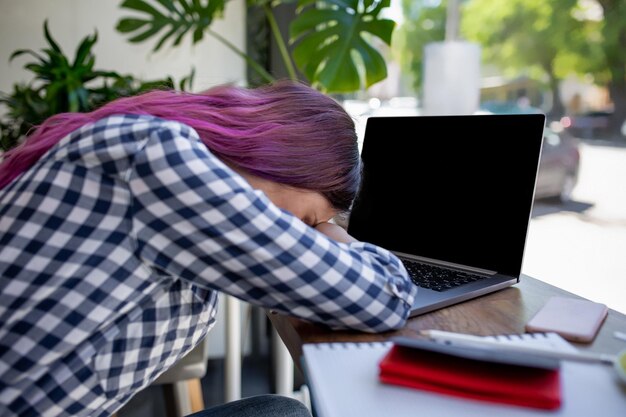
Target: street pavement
[{"x": 580, "y": 246}]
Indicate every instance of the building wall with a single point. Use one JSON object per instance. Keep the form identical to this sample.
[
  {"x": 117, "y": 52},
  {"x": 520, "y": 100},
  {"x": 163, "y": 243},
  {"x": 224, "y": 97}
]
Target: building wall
[
  {"x": 69, "y": 21},
  {"x": 580, "y": 95}
]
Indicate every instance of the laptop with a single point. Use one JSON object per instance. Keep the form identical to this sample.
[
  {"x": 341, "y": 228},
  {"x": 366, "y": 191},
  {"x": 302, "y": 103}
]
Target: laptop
[{"x": 452, "y": 197}]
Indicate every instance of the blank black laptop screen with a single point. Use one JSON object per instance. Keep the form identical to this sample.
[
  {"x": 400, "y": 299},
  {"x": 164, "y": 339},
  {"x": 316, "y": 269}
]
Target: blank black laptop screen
[{"x": 454, "y": 188}]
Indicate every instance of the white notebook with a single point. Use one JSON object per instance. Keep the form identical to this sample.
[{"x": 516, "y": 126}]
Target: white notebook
[{"x": 343, "y": 379}]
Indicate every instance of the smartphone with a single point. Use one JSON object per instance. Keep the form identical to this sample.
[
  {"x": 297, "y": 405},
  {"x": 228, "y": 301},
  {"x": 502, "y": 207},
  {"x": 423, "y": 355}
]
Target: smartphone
[{"x": 575, "y": 319}]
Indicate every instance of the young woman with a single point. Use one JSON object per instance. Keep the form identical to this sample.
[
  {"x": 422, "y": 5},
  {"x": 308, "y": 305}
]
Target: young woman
[{"x": 119, "y": 227}]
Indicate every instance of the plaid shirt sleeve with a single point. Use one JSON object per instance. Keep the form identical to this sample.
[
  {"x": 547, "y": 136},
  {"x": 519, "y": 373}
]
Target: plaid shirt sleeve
[{"x": 197, "y": 219}]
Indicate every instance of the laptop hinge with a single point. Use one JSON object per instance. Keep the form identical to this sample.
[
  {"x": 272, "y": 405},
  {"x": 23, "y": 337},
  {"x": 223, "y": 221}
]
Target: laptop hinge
[{"x": 431, "y": 261}]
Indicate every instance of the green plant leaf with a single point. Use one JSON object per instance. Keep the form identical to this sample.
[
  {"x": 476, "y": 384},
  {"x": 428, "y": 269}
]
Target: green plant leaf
[
  {"x": 142, "y": 6},
  {"x": 57, "y": 62},
  {"x": 106, "y": 74},
  {"x": 84, "y": 50},
  {"x": 83, "y": 98},
  {"x": 330, "y": 45},
  {"x": 154, "y": 28},
  {"x": 178, "y": 18},
  {"x": 159, "y": 84},
  {"x": 188, "y": 8},
  {"x": 130, "y": 25},
  {"x": 55, "y": 97},
  {"x": 197, "y": 34},
  {"x": 166, "y": 36},
  {"x": 310, "y": 53},
  {"x": 88, "y": 66},
  {"x": 187, "y": 82},
  {"x": 40, "y": 70},
  {"x": 25, "y": 51},
  {"x": 168, "y": 4},
  {"x": 374, "y": 62},
  {"x": 73, "y": 100},
  {"x": 49, "y": 38},
  {"x": 180, "y": 36}
]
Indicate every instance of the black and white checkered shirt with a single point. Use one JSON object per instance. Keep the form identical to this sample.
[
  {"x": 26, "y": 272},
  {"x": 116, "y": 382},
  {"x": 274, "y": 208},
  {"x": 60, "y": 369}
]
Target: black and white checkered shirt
[{"x": 112, "y": 250}]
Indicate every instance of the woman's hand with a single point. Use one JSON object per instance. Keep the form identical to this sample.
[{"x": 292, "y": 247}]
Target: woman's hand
[{"x": 334, "y": 232}]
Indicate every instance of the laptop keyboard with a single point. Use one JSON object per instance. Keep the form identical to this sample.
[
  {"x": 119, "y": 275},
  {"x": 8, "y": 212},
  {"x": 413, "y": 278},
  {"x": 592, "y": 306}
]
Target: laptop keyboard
[{"x": 438, "y": 278}]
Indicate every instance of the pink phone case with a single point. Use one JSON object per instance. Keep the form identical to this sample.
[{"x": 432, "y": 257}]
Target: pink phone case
[{"x": 574, "y": 319}]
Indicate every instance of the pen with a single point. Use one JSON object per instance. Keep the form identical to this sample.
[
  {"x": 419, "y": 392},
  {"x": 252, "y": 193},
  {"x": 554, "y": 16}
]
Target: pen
[{"x": 461, "y": 339}]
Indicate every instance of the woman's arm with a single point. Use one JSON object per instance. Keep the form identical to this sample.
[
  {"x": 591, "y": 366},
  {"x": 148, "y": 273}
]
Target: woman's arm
[{"x": 196, "y": 219}]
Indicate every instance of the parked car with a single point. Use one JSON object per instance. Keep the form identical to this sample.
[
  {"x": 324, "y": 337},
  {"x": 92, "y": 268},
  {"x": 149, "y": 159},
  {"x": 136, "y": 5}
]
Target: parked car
[
  {"x": 590, "y": 124},
  {"x": 560, "y": 156},
  {"x": 559, "y": 165}
]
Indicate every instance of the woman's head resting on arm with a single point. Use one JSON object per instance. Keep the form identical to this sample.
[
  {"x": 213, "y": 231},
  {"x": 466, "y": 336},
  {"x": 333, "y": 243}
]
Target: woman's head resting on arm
[
  {"x": 311, "y": 207},
  {"x": 296, "y": 137},
  {"x": 284, "y": 133}
]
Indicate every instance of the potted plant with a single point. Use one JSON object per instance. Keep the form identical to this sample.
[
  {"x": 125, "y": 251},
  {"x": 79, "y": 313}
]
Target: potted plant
[
  {"x": 61, "y": 84},
  {"x": 332, "y": 40}
]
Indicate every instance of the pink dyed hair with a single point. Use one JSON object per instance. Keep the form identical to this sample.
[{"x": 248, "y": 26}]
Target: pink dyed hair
[{"x": 285, "y": 132}]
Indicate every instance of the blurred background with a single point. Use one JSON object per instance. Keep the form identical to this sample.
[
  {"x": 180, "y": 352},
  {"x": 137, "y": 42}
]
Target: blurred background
[{"x": 564, "y": 58}]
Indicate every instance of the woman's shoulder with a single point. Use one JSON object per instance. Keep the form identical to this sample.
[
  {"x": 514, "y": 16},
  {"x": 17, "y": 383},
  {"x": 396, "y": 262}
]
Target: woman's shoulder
[
  {"x": 131, "y": 126},
  {"x": 117, "y": 142},
  {"x": 131, "y": 132}
]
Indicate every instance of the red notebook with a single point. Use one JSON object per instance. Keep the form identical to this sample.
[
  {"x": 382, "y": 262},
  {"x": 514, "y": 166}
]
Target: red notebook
[{"x": 470, "y": 378}]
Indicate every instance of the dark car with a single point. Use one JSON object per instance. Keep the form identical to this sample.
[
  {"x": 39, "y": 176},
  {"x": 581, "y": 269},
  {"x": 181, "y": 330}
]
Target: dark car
[
  {"x": 559, "y": 165},
  {"x": 587, "y": 125},
  {"x": 560, "y": 156}
]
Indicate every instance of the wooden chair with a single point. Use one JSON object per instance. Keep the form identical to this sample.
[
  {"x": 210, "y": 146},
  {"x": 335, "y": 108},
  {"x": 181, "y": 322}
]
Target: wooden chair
[{"x": 181, "y": 383}]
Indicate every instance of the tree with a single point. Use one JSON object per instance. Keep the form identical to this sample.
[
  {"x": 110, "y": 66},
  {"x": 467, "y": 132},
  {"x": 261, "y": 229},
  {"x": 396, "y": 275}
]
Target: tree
[
  {"x": 425, "y": 22},
  {"x": 536, "y": 37},
  {"x": 613, "y": 44}
]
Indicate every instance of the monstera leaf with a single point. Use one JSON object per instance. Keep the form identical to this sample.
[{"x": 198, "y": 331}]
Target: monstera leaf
[
  {"x": 330, "y": 42},
  {"x": 331, "y": 38},
  {"x": 171, "y": 19}
]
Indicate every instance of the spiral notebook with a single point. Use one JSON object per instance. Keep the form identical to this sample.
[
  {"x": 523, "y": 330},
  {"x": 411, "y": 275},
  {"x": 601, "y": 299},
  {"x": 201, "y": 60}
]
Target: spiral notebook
[{"x": 344, "y": 381}]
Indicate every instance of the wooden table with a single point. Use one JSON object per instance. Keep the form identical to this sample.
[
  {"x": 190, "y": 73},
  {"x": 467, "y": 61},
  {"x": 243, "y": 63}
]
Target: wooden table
[{"x": 503, "y": 312}]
